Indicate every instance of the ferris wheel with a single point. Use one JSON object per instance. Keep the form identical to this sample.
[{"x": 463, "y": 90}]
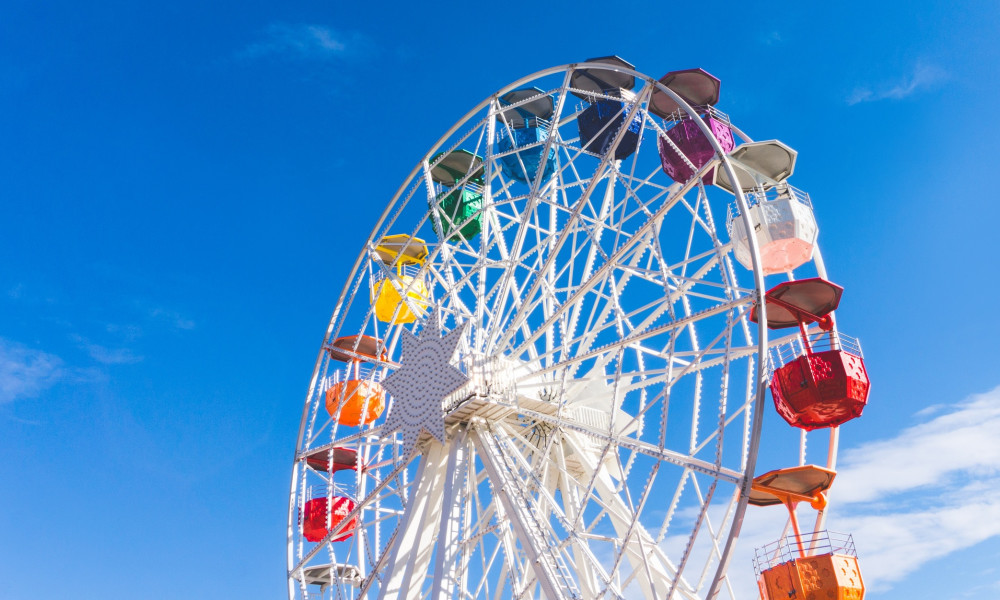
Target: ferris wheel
[{"x": 545, "y": 375}]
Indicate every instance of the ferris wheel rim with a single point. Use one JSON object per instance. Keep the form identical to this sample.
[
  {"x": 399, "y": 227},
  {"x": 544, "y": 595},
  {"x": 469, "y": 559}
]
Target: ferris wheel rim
[{"x": 722, "y": 162}]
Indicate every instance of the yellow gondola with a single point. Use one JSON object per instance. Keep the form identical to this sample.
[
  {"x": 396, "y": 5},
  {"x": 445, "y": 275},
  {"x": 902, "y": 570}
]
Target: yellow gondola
[{"x": 402, "y": 293}]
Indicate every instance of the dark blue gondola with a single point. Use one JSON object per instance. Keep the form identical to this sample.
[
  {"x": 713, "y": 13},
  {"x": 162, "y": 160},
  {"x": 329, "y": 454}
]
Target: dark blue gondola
[{"x": 609, "y": 95}]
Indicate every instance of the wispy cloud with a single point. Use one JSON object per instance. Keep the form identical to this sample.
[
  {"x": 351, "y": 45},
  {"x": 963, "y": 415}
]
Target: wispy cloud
[
  {"x": 127, "y": 331},
  {"x": 771, "y": 38},
  {"x": 899, "y": 542},
  {"x": 173, "y": 318},
  {"x": 106, "y": 355},
  {"x": 923, "y": 77},
  {"x": 962, "y": 442},
  {"x": 305, "y": 41},
  {"x": 25, "y": 372},
  {"x": 929, "y": 491}
]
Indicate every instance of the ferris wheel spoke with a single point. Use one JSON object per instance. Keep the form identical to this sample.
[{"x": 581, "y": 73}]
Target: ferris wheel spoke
[
  {"x": 641, "y": 335},
  {"x": 583, "y": 201},
  {"x": 544, "y": 235},
  {"x": 698, "y": 223},
  {"x": 696, "y": 363},
  {"x": 715, "y": 535},
  {"x": 532, "y": 201},
  {"x": 695, "y": 360},
  {"x": 640, "y": 209},
  {"x": 570, "y": 264},
  {"x": 508, "y": 288},
  {"x": 696, "y": 530},
  {"x": 365, "y": 434},
  {"x": 605, "y": 269},
  {"x": 566, "y": 309},
  {"x": 647, "y": 448},
  {"x": 586, "y": 565},
  {"x": 555, "y": 309},
  {"x": 667, "y": 306},
  {"x": 651, "y": 569}
]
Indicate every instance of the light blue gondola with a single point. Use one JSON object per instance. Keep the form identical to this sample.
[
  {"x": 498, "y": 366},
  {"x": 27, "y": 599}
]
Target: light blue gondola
[{"x": 522, "y": 131}]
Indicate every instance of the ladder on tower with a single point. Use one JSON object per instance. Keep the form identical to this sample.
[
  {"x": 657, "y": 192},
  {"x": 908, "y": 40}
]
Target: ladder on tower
[{"x": 540, "y": 544}]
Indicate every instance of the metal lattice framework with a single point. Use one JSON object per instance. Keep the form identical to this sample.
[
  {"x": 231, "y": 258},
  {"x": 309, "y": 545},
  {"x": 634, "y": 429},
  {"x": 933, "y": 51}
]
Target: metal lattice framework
[{"x": 603, "y": 443}]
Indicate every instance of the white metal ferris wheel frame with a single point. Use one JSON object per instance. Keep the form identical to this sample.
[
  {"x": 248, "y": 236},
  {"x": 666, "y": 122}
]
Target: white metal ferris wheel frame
[{"x": 478, "y": 432}]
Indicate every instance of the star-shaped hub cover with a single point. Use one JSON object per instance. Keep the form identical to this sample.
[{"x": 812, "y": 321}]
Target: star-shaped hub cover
[{"x": 423, "y": 380}]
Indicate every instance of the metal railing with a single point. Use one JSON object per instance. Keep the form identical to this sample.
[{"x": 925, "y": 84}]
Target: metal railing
[
  {"x": 703, "y": 110},
  {"x": 443, "y": 190},
  {"x": 614, "y": 94},
  {"x": 331, "y": 490},
  {"x": 536, "y": 122},
  {"x": 352, "y": 372},
  {"x": 833, "y": 340},
  {"x": 492, "y": 376},
  {"x": 817, "y": 543},
  {"x": 410, "y": 270},
  {"x": 782, "y": 191}
]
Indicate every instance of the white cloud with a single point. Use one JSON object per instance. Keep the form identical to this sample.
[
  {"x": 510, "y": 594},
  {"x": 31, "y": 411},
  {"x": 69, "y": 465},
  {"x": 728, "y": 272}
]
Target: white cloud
[
  {"x": 112, "y": 356},
  {"x": 24, "y": 372},
  {"x": 305, "y": 41},
  {"x": 966, "y": 440},
  {"x": 923, "y": 76},
  {"x": 897, "y": 543},
  {"x": 930, "y": 490},
  {"x": 105, "y": 355}
]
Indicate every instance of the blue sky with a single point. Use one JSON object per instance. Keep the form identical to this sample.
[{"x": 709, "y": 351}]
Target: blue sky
[{"x": 184, "y": 186}]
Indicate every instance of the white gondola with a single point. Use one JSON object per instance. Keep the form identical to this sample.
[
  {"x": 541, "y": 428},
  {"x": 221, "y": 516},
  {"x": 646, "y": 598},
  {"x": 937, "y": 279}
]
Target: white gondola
[{"x": 785, "y": 227}]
